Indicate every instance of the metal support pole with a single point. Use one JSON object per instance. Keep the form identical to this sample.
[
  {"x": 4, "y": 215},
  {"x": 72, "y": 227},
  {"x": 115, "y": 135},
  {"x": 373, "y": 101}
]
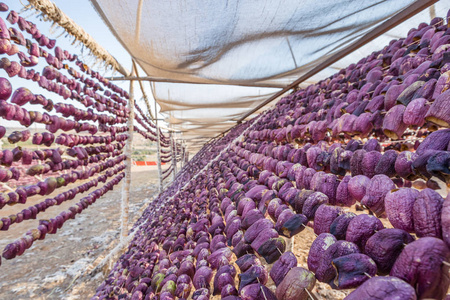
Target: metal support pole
[{"x": 127, "y": 180}]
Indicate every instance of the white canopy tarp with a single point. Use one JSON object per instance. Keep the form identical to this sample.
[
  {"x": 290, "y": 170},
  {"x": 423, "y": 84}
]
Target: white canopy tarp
[{"x": 250, "y": 42}]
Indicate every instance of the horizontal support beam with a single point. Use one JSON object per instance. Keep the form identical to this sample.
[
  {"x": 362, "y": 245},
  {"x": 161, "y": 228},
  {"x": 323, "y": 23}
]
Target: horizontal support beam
[
  {"x": 154, "y": 79},
  {"x": 397, "y": 19}
]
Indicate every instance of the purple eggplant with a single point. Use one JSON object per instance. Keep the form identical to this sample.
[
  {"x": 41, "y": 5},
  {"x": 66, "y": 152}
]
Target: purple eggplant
[
  {"x": 325, "y": 271},
  {"x": 353, "y": 270},
  {"x": 282, "y": 266},
  {"x": 421, "y": 265},
  {"x": 385, "y": 246},
  {"x": 295, "y": 284},
  {"x": 361, "y": 228},
  {"x": 426, "y": 213},
  {"x": 22, "y": 96},
  {"x": 379, "y": 186},
  {"x": 380, "y": 287},
  {"x": 256, "y": 291}
]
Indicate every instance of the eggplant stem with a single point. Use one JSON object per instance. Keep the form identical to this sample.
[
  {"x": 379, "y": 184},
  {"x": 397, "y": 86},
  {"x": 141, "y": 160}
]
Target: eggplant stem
[
  {"x": 38, "y": 177},
  {"x": 309, "y": 229},
  {"x": 309, "y": 294},
  {"x": 260, "y": 286},
  {"x": 7, "y": 187},
  {"x": 264, "y": 294},
  {"x": 367, "y": 275},
  {"x": 412, "y": 43}
]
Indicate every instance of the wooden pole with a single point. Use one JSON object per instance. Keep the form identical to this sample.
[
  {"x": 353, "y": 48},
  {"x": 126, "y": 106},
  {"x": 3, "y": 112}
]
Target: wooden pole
[
  {"x": 432, "y": 12},
  {"x": 174, "y": 160},
  {"x": 144, "y": 94},
  {"x": 183, "y": 148},
  {"x": 127, "y": 180},
  {"x": 184, "y": 153},
  {"x": 158, "y": 152},
  {"x": 175, "y": 153}
]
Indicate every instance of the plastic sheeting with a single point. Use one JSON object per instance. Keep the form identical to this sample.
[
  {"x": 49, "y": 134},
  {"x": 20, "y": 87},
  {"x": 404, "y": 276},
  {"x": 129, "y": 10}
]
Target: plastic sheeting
[{"x": 234, "y": 42}]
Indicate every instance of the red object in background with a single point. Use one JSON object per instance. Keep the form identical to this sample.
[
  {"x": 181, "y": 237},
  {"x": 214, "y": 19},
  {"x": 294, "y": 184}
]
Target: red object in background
[{"x": 145, "y": 163}]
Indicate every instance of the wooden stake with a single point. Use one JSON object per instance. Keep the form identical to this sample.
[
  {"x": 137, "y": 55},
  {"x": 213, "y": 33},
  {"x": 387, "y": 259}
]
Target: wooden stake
[
  {"x": 127, "y": 180},
  {"x": 158, "y": 152},
  {"x": 182, "y": 156},
  {"x": 432, "y": 12},
  {"x": 144, "y": 94},
  {"x": 175, "y": 146},
  {"x": 174, "y": 159}
]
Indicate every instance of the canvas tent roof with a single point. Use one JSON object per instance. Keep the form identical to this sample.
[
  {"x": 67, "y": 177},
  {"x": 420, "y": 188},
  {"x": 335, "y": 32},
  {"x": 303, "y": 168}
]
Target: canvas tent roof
[{"x": 224, "y": 58}]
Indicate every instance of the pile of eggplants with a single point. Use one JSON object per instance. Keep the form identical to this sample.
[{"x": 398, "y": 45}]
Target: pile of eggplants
[
  {"x": 361, "y": 138},
  {"x": 366, "y": 138}
]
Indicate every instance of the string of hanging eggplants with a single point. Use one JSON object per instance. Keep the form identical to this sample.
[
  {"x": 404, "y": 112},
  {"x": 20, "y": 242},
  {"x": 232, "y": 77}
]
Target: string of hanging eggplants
[
  {"x": 36, "y": 50},
  {"x": 19, "y": 246},
  {"x": 93, "y": 158}
]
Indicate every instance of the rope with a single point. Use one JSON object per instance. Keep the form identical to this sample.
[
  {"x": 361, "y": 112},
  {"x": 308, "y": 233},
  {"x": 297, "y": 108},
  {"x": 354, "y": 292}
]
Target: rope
[{"x": 49, "y": 11}]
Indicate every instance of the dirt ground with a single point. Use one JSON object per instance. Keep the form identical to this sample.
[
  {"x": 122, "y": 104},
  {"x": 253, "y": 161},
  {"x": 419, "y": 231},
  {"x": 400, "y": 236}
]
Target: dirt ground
[{"x": 50, "y": 268}]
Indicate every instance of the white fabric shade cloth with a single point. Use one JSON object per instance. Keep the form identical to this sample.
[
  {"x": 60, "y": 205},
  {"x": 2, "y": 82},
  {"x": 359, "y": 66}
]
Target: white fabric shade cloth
[{"x": 215, "y": 46}]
